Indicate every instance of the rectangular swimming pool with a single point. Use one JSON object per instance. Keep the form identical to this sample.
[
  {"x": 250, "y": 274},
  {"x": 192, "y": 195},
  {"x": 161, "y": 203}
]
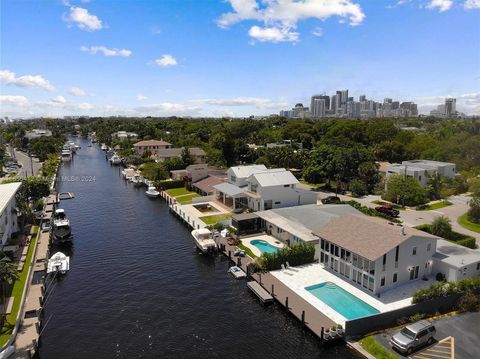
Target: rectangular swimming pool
[{"x": 341, "y": 301}]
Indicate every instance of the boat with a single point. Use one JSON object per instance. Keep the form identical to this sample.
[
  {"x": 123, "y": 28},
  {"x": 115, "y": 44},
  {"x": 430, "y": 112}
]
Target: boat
[
  {"x": 237, "y": 272},
  {"x": 137, "y": 179},
  {"x": 115, "y": 160},
  {"x": 59, "y": 262},
  {"x": 103, "y": 147},
  {"x": 152, "y": 192},
  {"x": 128, "y": 173},
  {"x": 66, "y": 155},
  {"x": 66, "y": 195},
  {"x": 72, "y": 146},
  {"x": 203, "y": 239},
  {"x": 61, "y": 230}
]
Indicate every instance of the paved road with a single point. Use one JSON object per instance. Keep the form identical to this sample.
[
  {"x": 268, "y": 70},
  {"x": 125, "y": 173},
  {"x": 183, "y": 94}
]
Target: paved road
[
  {"x": 465, "y": 328},
  {"x": 26, "y": 168}
]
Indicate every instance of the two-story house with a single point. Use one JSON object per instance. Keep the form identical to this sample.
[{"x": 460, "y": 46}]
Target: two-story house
[
  {"x": 153, "y": 146},
  {"x": 8, "y": 212}
]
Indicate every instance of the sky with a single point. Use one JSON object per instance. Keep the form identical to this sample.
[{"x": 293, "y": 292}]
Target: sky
[{"x": 232, "y": 57}]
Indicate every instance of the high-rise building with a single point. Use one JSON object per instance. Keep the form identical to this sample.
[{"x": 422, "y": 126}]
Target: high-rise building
[
  {"x": 318, "y": 108},
  {"x": 362, "y": 98},
  {"x": 450, "y": 106},
  {"x": 319, "y": 97},
  {"x": 353, "y": 109}
]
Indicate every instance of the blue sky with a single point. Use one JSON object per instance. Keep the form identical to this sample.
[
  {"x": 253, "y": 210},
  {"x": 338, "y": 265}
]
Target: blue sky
[{"x": 238, "y": 57}]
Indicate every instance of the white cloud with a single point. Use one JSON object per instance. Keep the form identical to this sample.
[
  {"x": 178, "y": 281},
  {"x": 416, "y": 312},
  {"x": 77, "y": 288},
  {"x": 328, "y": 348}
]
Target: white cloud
[
  {"x": 318, "y": 31},
  {"x": 31, "y": 81},
  {"x": 141, "y": 97},
  {"x": 471, "y": 4},
  {"x": 273, "y": 34},
  {"x": 85, "y": 106},
  {"x": 17, "y": 101},
  {"x": 106, "y": 51},
  {"x": 76, "y": 91},
  {"x": 155, "y": 30},
  {"x": 83, "y": 19},
  {"x": 440, "y": 5},
  {"x": 59, "y": 99},
  {"x": 169, "y": 109},
  {"x": 280, "y": 17},
  {"x": 166, "y": 60},
  {"x": 257, "y": 102}
]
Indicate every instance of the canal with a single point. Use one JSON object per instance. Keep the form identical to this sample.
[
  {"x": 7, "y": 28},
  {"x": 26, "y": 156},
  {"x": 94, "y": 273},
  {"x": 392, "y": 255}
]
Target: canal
[{"x": 137, "y": 287}]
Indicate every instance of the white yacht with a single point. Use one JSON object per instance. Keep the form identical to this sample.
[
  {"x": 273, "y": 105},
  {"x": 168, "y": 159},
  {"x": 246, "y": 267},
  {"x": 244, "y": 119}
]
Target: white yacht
[
  {"x": 72, "y": 146},
  {"x": 152, "y": 192},
  {"x": 59, "y": 262},
  {"x": 66, "y": 155},
  {"x": 115, "y": 160},
  {"x": 137, "y": 179},
  {"x": 61, "y": 231},
  {"x": 103, "y": 147},
  {"x": 203, "y": 239}
]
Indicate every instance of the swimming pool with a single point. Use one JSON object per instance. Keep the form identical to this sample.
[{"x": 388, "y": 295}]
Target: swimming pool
[
  {"x": 264, "y": 246},
  {"x": 341, "y": 301}
]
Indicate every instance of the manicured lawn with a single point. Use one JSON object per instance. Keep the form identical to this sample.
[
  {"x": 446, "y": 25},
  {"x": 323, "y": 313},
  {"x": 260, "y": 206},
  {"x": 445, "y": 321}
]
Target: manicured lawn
[
  {"x": 371, "y": 345},
  {"x": 247, "y": 250},
  {"x": 465, "y": 223},
  {"x": 174, "y": 192},
  {"x": 211, "y": 220},
  {"x": 186, "y": 199},
  {"x": 437, "y": 205},
  {"x": 17, "y": 292}
]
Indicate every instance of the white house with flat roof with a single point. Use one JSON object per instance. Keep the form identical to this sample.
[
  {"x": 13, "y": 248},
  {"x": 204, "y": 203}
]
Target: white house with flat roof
[
  {"x": 422, "y": 169},
  {"x": 259, "y": 188},
  {"x": 456, "y": 262},
  {"x": 8, "y": 212},
  {"x": 374, "y": 254},
  {"x": 124, "y": 135}
]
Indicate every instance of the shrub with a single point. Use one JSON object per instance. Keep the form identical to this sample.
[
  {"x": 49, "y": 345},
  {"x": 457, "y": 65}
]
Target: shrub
[
  {"x": 167, "y": 184},
  {"x": 473, "y": 213},
  {"x": 368, "y": 211},
  {"x": 470, "y": 302},
  {"x": 441, "y": 227},
  {"x": 468, "y": 242},
  {"x": 295, "y": 255},
  {"x": 358, "y": 188},
  {"x": 444, "y": 289}
]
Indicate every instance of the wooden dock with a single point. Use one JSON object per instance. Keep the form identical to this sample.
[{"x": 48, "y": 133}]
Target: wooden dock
[{"x": 261, "y": 293}]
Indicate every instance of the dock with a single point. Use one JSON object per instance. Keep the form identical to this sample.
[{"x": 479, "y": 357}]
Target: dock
[{"x": 261, "y": 293}]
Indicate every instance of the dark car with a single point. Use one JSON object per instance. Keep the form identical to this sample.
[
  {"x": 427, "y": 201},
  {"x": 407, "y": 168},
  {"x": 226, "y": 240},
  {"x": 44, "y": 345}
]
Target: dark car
[
  {"x": 330, "y": 199},
  {"x": 388, "y": 210},
  {"x": 413, "y": 336}
]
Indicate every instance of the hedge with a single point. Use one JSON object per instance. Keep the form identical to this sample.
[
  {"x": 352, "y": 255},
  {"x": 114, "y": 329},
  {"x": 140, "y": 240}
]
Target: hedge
[
  {"x": 455, "y": 237},
  {"x": 167, "y": 184},
  {"x": 369, "y": 211},
  {"x": 444, "y": 289},
  {"x": 295, "y": 255}
]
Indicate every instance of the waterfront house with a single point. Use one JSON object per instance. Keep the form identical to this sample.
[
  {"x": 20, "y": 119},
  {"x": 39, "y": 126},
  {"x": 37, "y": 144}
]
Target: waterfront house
[
  {"x": 164, "y": 154},
  {"x": 374, "y": 254},
  {"x": 205, "y": 187},
  {"x": 124, "y": 135},
  {"x": 8, "y": 211},
  {"x": 422, "y": 169},
  {"x": 36, "y": 133},
  {"x": 154, "y": 146},
  {"x": 258, "y": 188}
]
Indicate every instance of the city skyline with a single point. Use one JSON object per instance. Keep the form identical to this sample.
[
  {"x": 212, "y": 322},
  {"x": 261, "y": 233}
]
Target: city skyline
[{"x": 245, "y": 57}]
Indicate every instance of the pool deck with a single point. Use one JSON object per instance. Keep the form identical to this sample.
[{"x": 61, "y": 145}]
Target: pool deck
[
  {"x": 264, "y": 237},
  {"x": 298, "y": 278}
]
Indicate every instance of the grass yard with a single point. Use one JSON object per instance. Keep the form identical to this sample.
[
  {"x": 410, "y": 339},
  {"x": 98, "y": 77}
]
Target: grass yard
[
  {"x": 247, "y": 250},
  {"x": 211, "y": 220},
  {"x": 17, "y": 292},
  {"x": 465, "y": 223},
  {"x": 371, "y": 345},
  {"x": 186, "y": 199},
  {"x": 175, "y": 192},
  {"x": 437, "y": 205}
]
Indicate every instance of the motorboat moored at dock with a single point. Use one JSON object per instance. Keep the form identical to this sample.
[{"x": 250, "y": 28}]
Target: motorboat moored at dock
[
  {"x": 115, "y": 160},
  {"x": 152, "y": 192},
  {"x": 66, "y": 155},
  {"x": 203, "y": 239},
  {"x": 237, "y": 272},
  {"x": 61, "y": 230},
  {"x": 59, "y": 262}
]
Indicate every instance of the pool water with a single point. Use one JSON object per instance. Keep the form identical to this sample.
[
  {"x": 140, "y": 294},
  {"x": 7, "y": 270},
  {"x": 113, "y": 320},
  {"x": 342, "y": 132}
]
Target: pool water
[
  {"x": 341, "y": 301},
  {"x": 264, "y": 246}
]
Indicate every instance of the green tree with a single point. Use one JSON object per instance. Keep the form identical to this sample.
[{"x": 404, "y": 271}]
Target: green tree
[
  {"x": 473, "y": 213},
  {"x": 442, "y": 227},
  {"x": 8, "y": 275},
  {"x": 186, "y": 157},
  {"x": 404, "y": 190},
  {"x": 154, "y": 171}
]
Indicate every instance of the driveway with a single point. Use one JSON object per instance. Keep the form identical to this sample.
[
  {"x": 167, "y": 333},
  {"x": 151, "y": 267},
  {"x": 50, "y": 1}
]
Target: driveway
[{"x": 464, "y": 328}]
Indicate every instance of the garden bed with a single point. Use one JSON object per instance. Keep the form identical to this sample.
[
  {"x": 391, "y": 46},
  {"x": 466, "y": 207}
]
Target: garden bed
[{"x": 455, "y": 237}]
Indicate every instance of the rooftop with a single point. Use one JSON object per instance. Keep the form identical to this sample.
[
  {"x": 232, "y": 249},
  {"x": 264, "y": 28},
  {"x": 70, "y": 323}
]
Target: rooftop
[
  {"x": 368, "y": 237},
  {"x": 246, "y": 171},
  {"x": 7, "y": 191},
  {"x": 275, "y": 178},
  {"x": 172, "y": 152},
  {"x": 207, "y": 184},
  {"x": 229, "y": 189},
  {"x": 152, "y": 143},
  {"x": 456, "y": 255},
  {"x": 428, "y": 163}
]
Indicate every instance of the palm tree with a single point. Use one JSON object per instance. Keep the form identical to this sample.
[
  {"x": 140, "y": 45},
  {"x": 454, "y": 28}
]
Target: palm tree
[{"x": 8, "y": 275}]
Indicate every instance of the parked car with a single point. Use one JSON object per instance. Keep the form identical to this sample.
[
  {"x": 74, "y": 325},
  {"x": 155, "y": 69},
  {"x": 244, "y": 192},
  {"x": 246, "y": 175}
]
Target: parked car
[
  {"x": 413, "y": 336},
  {"x": 330, "y": 199},
  {"x": 388, "y": 210}
]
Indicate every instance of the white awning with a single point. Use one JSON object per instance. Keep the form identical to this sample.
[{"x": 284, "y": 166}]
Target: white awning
[{"x": 230, "y": 189}]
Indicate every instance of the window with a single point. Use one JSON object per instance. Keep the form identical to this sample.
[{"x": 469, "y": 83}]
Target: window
[
  {"x": 396, "y": 254},
  {"x": 278, "y": 202},
  {"x": 429, "y": 246},
  {"x": 395, "y": 276},
  {"x": 382, "y": 282},
  {"x": 233, "y": 178},
  {"x": 286, "y": 185},
  {"x": 322, "y": 243},
  {"x": 414, "y": 251},
  {"x": 478, "y": 266}
]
